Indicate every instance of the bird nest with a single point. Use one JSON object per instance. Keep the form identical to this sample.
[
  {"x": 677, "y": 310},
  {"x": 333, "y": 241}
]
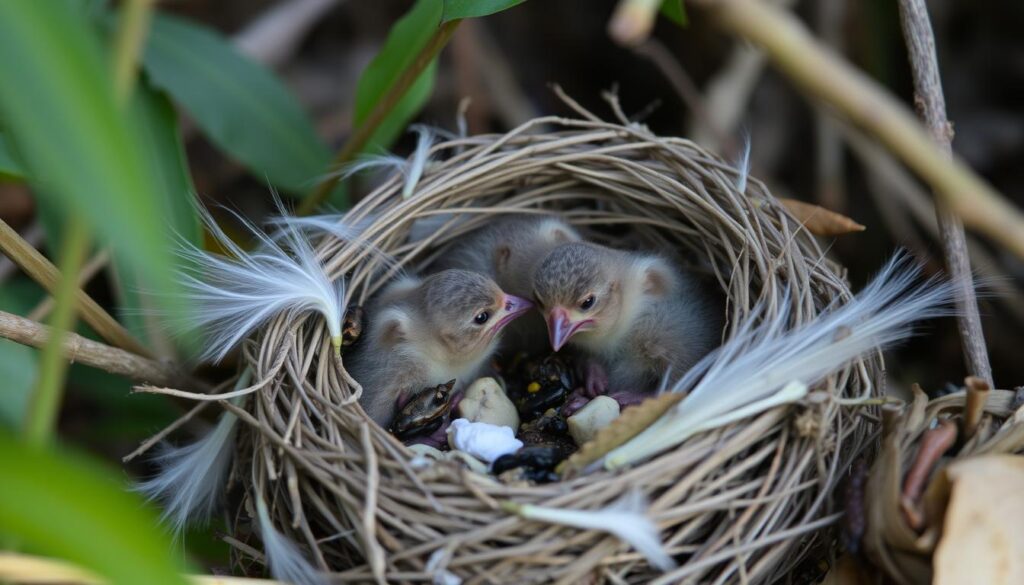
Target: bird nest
[{"x": 753, "y": 499}]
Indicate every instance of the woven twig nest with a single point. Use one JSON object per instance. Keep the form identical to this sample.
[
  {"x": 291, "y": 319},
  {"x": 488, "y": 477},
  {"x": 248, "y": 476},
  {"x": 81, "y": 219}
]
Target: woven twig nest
[{"x": 751, "y": 499}]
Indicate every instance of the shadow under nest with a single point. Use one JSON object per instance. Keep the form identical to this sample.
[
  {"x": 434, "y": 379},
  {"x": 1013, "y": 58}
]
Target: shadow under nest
[{"x": 754, "y": 498}]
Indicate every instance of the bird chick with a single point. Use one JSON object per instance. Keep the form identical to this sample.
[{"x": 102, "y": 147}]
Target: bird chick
[
  {"x": 633, "y": 314},
  {"x": 427, "y": 331},
  {"x": 508, "y": 250}
]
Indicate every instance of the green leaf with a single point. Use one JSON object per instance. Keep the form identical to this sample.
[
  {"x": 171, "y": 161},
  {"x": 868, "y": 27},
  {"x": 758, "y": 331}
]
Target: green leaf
[
  {"x": 674, "y": 11},
  {"x": 10, "y": 168},
  {"x": 69, "y": 508},
  {"x": 472, "y": 8},
  {"x": 158, "y": 132},
  {"x": 239, "y": 104},
  {"x": 78, "y": 146},
  {"x": 405, "y": 41}
]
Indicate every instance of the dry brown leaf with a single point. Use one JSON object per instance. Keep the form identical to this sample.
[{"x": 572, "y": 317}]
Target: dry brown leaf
[
  {"x": 983, "y": 539},
  {"x": 820, "y": 221},
  {"x": 628, "y": 425}
]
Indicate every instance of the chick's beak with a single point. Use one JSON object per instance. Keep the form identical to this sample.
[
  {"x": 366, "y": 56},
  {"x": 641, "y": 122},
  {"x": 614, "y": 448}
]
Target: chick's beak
[
  {"x": 560, "y": 327},
  {"x": 514, "y": 307}
]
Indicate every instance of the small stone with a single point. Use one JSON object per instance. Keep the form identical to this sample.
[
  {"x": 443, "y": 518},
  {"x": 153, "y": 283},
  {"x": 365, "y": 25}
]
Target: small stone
[
  {"x": 597, "y": 414},
  {"x": 485, "y": 401},
  {"x": 482, "y": 440}
]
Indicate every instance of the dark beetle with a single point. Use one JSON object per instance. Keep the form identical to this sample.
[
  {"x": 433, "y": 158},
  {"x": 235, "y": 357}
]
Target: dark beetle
[{"x": 424, "y": 412}]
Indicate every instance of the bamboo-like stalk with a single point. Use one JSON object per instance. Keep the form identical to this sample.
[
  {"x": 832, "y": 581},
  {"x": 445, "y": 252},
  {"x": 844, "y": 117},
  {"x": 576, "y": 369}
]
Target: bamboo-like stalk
[
  {"x": 380, "y": 111},
  {"x": 21, "y": 569},
  {"x": 931, "y": 105},
  {"x": 824, "y": 75},
  {"x": 44, "y": 402}
]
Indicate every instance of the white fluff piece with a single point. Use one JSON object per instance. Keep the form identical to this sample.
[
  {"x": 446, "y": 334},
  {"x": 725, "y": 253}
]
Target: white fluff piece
[
  {"x": 284, "y": 559},
  {"x": 411, "y": 168},
  {"x": 231, "y": 296},
  {"x": 482, "y": 440},
  {"x": 765, "y": 365},
  {"x": 191, "y": 477},
  {"x": 743, "y": 166},
  {"x": 626, "y": 519}
]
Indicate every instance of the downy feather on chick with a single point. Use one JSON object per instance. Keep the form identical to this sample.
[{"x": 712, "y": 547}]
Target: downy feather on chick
[
  {"x": 427, "y": 331},
  {"x": 508, "y": 250},
  {"x": 634, "y": 314}
]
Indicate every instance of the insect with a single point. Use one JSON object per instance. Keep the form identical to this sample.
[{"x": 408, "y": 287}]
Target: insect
[{"x": 424, "y": 412}]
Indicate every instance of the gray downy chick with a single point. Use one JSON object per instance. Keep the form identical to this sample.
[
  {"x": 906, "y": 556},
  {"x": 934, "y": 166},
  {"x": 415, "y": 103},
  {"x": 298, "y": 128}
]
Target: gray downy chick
[
  {"x": 509, "y": 250},
  {"x": 427, "y": 331},
  {"x": 633, "y": 314}
]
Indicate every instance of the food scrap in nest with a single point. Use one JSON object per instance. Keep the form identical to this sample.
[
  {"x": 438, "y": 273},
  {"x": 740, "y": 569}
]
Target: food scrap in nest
[
  {"x": 537, "y": 384},
  {"x": 353, "y": 325}
]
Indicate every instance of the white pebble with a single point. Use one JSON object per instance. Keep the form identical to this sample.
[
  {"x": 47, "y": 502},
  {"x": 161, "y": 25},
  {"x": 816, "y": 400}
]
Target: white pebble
[
  {"x": 482, "y": 440},
  {"x": 596, "y": 415}
]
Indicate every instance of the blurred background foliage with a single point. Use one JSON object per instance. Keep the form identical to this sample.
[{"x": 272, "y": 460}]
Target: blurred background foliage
[{"x": 235, "y": 97}]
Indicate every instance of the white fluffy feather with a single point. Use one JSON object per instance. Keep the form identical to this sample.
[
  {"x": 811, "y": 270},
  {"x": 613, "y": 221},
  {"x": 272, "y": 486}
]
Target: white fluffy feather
[
  {"x": 284, "y": 559},
  {"x": 191, "y": 477},
  {"x": 626, "y": 519},
  {"x": 765, "y": 365},
  {"x": 335, "y": 224},
  {"x": 230, "y": 297},
  {"x": 743, "y": 166},
  {"x": 411, "y": 168}
]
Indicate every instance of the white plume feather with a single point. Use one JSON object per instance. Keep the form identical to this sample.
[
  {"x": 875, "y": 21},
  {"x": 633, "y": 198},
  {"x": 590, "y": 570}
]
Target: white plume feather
[
  {"x": 766, "y": 365},
  {"x": 284, "y": 559},
  {"x": 335, "y": 224},
  {"x": 192, "y": 476},
  {"x": 411, "y": 168},
  {"x": 743, "y": 166},
  {"x": 626, "y": 519},
  {"x": 231, "y": 297}
]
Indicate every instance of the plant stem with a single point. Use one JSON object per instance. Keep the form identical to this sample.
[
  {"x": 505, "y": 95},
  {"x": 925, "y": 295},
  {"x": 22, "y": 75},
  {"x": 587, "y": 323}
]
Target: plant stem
[
  {"x": 133, "y": 22},
  {"x": 826, "y": 76},
  {"x": 89, "y": 352},
  {"x": 45, "y": 399},
  {"x": 931, "y": 105},
  {"x": 46, "y": 274},
  {"x": 359, "y": 138}
]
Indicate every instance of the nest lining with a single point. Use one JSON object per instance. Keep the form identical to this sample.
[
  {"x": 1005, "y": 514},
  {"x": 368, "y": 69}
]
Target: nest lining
[{"x": 751, "y": 499}]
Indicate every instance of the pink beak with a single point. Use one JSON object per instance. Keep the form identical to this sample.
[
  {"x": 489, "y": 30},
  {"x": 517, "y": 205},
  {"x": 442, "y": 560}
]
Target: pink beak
[
  {"x": 560, "y": 327},
  {"x": 514, "y": 308}
]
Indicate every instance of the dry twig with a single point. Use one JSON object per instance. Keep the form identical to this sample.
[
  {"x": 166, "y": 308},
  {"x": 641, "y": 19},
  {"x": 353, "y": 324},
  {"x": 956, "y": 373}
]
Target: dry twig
[
  {"x": 931, "y": 105},
  {"x": 826, "y": 76}
]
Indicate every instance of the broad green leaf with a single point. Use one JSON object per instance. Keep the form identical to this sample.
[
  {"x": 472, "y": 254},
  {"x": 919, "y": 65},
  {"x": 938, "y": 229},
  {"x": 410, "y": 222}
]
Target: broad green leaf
[
  {"x": 471, "y": 8},
  {"x": 674, "y": 11},
  {"x": 79, "y": 148},
  {"x": 405, "y": 41},
  {"x": 158, "y": 130},
  {"x": 10, "y": 168},
  {"x": 67, "y": 507},
  {"x": 239, "y": 104}
]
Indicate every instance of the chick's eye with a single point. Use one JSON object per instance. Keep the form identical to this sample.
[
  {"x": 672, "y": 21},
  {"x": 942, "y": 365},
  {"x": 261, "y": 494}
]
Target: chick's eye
[
  {"x": 587, "y": 303},
  {"x": 481, "y": 317}
]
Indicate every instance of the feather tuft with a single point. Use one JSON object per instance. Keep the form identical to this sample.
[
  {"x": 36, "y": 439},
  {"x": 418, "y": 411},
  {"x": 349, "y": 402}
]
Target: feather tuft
[
  {"x": 411, "y": 168},
  {"x": 626, "y": 519},
  {"x": 743, "y": 166},
  {"x": 284, "y": 559},
  {"x": 232, "y": 296},
  {"x": 191, "y": 477},
  {"x": 765, "y": 365}
]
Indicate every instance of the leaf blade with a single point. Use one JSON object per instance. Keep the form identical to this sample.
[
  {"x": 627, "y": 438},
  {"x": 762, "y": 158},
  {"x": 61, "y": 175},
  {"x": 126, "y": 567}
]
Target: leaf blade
[
  {"x": 84, "y": 517},
  {"x": 474, "y": 8},
  {"x": 406, "y": 39},
  {"x": 240, "y": 105}
]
